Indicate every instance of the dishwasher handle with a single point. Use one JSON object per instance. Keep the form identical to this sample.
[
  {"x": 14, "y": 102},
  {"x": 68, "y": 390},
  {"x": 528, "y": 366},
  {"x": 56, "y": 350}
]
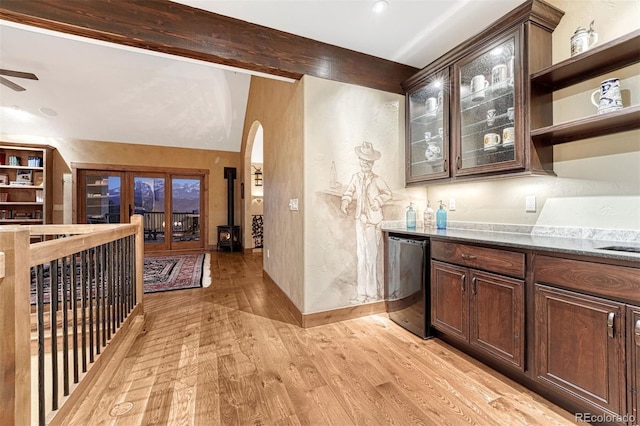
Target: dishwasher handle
[{"x": 408, "y": 241}]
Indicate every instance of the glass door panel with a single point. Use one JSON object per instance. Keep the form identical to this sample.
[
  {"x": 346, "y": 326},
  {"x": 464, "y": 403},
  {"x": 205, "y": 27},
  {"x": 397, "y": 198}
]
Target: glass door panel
[
  {"x": 102, "y": 199},
  {"x": 170, "y": 204},
  {"x": 185, "y": 210},
  {"x": 428, "y": 146},
  {"x": 149, "y": 201},
  {"x": 488, "y": 95}
]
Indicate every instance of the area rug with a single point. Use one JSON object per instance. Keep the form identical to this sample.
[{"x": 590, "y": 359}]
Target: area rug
[
  {"x": 165, "y": 273},
  {"x": 160, "y": 274}
]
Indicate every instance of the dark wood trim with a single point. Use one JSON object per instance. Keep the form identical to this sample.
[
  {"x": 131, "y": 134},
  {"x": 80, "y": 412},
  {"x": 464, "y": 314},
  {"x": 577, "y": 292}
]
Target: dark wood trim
[
  {"x": 173, "y": 28},
  {"x": 141, "y": 169}
]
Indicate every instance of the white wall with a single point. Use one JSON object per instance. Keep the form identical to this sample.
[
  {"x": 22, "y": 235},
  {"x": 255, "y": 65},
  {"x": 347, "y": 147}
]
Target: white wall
[
  {"x": 598, "y": 180},
  {"x": 338, "y": 118}
]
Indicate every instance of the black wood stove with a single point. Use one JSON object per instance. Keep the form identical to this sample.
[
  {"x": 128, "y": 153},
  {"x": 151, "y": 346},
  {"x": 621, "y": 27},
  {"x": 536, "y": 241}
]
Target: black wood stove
[{"x": 229, "y": 234}]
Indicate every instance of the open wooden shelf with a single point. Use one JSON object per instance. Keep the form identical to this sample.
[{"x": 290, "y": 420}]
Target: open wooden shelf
[
  {"x": 589, "y": 127},
  {"x": 616, "y": 54}
]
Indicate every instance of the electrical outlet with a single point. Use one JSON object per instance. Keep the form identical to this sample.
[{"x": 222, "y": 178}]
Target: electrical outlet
[
  {"x": 530, "y": 203},
  {"x": 293, "y": 204},
  {"x": 452, "y": 204}
]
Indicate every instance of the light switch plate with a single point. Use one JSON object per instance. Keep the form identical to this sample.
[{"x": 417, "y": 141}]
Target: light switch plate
[{"x": 293, "y": 204}]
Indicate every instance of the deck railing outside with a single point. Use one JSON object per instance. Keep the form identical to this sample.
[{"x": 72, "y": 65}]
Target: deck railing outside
[{"x": 70, "y": 295}]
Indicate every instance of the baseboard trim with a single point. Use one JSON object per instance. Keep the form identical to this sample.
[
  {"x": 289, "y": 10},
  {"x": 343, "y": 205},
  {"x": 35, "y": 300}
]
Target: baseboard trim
[
  {"x": 324, "y": 317},
  {"x": 342, "y": 314},
  {"x": 291, "y": 307}
]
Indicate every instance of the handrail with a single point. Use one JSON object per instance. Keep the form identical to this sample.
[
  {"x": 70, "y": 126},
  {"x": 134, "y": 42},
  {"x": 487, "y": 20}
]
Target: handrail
[{"x": 46, "y": 251}]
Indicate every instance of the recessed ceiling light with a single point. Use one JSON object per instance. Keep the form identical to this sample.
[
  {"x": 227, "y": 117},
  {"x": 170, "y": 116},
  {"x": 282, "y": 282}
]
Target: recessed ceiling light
[
  {"x": 380, "y": 6},
  {"x": 48, "y": 112}
]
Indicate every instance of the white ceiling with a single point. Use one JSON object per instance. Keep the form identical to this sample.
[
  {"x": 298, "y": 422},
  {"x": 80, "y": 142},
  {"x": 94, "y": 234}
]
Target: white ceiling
[{"x": 120, "y": 94}]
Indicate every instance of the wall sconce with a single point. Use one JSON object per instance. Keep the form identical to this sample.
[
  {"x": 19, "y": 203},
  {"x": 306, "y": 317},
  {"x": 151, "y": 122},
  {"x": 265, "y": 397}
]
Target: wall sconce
[{"x": 258, "y": 175}]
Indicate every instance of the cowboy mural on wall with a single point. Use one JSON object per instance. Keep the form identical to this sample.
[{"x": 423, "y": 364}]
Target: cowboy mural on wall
[{"x": 364, "y": 197}]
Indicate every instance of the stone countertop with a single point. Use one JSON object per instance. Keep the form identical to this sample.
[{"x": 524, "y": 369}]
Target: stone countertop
[{"x": 576, "y": 246}]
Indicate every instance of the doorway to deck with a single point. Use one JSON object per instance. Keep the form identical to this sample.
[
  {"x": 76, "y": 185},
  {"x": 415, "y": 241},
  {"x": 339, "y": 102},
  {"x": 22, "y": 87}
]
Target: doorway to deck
[{"x": 172, "y": 203}]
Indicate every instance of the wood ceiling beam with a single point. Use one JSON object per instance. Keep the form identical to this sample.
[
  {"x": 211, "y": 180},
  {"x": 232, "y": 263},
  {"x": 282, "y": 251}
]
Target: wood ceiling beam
[{"x": 173, "y": 28}]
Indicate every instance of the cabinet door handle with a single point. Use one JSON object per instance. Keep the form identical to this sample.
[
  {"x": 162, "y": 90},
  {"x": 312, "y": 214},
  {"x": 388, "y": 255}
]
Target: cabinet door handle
[
  {"x": 636, "y": 332},
  {"x": 463, "y": 281},
  {"x": 474, "y": 285},
  {"x": 467, "y": 256},
  {"x": 459, "y": 162},
  {"x": 445, "y": 166},
  {"x": 610, "y": 317}
]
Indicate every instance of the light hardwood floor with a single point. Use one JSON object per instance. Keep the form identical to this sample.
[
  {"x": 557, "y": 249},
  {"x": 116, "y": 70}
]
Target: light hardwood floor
[{"x": 229, "y": 355}]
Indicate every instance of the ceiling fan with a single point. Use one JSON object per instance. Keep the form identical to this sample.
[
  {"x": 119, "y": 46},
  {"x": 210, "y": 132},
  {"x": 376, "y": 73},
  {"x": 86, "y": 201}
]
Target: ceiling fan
[{"x": 16, "y": 74}]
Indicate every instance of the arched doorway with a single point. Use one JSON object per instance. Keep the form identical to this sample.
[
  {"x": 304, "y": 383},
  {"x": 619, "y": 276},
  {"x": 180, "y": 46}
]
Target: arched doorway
[{"x": 254, "y": 187}]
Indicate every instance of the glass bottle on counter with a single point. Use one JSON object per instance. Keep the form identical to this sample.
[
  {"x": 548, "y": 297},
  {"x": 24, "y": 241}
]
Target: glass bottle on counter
[
  {"x": 411, "y": 217},
  {"x": 429, "y": 216},
  {"x": 441, "y": 217}
]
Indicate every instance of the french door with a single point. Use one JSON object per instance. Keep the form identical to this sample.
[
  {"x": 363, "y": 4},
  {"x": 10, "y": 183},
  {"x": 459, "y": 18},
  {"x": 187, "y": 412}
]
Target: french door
[{"x": 171, "y": 204}]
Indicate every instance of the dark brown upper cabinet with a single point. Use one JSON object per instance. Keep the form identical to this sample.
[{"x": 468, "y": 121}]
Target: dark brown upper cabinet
[{"x": 486, "y": 105}]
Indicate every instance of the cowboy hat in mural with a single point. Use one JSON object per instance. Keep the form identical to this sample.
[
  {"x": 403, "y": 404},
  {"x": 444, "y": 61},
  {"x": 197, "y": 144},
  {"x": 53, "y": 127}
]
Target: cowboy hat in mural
[
  {"x": 370, "y": 193},
  {"x": 366, "y": 152}
]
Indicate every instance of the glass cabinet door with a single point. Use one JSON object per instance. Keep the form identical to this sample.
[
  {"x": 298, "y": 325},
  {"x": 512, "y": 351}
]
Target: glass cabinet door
[
  {"x": 102, "y": 197},
  {"x": 488, "y": 121},
  {"x": 427, "y": 151}
]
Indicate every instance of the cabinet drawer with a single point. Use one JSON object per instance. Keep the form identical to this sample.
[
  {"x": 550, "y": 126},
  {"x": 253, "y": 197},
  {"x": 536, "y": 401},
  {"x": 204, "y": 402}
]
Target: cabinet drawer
[
  {"x": 488, "y": 259},
  {"x": 618, "y": 282}
]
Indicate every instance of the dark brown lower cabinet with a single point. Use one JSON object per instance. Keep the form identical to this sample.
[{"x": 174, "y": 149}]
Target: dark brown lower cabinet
[
  {"x": 580, "y": 347},
  {"x": 497, "y": 316},
  {"x": 449, "y": 300},
  {"x": 483, "y": 309},
  {"x": 633, "y": 356}
]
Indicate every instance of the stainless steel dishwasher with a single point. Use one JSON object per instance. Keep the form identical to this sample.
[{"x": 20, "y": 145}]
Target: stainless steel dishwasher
[{"x": 407, "y": 283}]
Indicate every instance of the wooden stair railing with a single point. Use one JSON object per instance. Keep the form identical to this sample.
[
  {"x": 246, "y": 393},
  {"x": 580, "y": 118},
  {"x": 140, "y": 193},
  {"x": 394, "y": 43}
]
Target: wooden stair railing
[{"x": 95, "y": 288}]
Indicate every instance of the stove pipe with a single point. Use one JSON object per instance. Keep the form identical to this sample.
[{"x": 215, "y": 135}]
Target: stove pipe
[{"x": 230, "y": 176}]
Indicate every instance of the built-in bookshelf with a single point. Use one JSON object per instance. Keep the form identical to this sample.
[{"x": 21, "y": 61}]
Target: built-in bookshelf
[{"x": 25, "y": 184}]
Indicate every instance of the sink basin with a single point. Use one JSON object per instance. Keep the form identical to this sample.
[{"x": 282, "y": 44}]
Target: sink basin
[{"x": 629, "y": 249}]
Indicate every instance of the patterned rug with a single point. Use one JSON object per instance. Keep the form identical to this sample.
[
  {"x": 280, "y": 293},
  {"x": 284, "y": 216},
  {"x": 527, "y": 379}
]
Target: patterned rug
[{"x": 165, "y": 273}]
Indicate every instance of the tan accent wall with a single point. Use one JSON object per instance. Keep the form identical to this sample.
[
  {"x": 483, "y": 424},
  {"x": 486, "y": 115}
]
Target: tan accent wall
[
  {"x": 111, "y": 153},
  {"x": 278, "y": 106}
]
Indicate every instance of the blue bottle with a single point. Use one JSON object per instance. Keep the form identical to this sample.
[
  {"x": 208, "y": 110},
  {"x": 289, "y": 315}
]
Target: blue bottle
[
  {"x": 441, "y": 217},
  {"x": 411, "y": 217}
]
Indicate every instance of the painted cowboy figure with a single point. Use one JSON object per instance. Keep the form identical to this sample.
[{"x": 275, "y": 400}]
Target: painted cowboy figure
[{"x": 370, "y": 192}]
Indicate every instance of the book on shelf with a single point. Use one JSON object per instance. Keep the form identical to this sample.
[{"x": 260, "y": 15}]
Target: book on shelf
[
  {"x": 34, "y": 161},
  {"x": 4, "y": 179},
  {"x": 39, "y": 196},
  {"x": 14, "y": 160}
]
